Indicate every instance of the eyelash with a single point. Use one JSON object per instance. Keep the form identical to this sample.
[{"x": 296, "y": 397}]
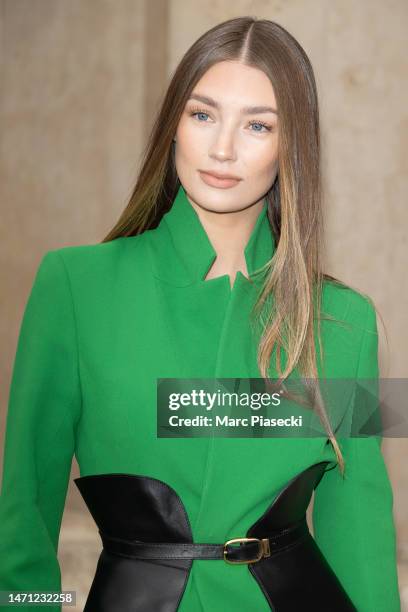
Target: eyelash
[{"x": 197, "y": 111}]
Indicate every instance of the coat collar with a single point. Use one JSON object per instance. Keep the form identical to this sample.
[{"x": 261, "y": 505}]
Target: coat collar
[{"x": 182, "y": 252}]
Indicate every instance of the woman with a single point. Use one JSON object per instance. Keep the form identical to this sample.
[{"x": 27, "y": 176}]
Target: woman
[{"x": 181, "y": 288}]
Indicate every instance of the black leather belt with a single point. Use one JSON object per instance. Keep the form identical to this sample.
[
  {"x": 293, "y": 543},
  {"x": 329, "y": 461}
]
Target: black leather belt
[
  {"x": 237, "y": 550},
  {"x": 278, "y": 549}
]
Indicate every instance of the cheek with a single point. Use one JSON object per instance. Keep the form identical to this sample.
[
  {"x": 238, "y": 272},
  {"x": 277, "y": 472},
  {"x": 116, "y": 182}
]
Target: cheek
[
  {"x": 182, "y": 134},
  {"x": 196, "y": 136},
  {"x": 189, "y": 147},
  {"x": 261, "y": 160}
]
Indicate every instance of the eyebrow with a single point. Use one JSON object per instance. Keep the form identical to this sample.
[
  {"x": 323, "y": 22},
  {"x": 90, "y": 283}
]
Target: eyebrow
[{"x": 246, "y": 110}]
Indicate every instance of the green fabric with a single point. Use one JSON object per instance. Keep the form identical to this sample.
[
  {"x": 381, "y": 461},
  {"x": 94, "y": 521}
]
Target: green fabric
[{"x": 101, "y": 324}]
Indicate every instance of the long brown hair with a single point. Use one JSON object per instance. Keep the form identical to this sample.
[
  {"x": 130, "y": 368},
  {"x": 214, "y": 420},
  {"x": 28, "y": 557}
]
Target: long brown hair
[{"x": 294, "y": 275}]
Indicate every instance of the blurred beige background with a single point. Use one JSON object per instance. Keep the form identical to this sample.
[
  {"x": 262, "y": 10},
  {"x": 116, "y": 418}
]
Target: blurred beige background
[{"x": 81, "y": 80}]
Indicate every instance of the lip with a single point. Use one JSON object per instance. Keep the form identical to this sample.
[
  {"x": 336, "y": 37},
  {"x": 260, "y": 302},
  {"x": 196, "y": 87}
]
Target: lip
[{"x": 220, "y": 181}]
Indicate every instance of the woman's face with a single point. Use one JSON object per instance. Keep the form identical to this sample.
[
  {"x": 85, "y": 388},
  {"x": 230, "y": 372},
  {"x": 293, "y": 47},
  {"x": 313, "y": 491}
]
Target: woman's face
[{"x": 216, "y": 133}]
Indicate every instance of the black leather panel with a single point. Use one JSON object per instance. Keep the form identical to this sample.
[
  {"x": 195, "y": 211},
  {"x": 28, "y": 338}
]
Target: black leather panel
[
  {"x": 297, "y": 577},
  {"x": 127, "y": 585},
  {"x": 136, "y": 507}
]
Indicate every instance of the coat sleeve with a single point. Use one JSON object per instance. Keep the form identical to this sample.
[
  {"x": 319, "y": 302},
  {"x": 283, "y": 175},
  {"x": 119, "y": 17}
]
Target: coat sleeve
[
  {"x": 353, "y": 518},
  {"x": 43, "y": 410}
]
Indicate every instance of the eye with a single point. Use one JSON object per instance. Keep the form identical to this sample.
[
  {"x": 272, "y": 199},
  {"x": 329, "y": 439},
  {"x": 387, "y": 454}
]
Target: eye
[
  {"x": 267, "y": 127},
  {"x": 197, "y": 111}
]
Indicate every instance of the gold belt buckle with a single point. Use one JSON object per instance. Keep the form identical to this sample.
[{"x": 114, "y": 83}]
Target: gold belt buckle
[{"x": 264, "y": 550}]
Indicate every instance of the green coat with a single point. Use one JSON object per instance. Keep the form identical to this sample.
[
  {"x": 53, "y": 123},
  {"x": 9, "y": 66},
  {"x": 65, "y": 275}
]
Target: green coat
[{"x": 101, "y": 324}]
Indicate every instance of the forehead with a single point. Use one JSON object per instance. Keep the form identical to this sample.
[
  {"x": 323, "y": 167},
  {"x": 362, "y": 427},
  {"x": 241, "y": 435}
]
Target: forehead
[{"x": 232, "y": 83}]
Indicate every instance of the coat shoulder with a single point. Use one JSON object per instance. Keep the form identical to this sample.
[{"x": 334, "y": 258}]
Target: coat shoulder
[
  {"x": 348, "y": 320},
  {"x": 104, "y": 260},
  {"x": 102, "y": 251},
  {"x": 346, "y": 304}
]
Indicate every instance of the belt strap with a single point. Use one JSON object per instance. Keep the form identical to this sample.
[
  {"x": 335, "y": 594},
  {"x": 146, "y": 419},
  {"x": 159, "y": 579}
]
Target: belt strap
[{"x": 249, "y": 550}]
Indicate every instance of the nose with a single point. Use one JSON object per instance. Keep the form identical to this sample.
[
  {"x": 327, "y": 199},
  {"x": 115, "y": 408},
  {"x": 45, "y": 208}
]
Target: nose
[{"x": 223, "y": 146}]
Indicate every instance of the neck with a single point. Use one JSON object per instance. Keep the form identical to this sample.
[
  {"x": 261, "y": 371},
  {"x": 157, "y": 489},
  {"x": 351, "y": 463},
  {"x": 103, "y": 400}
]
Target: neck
[{"x": 229, "y": 233}]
